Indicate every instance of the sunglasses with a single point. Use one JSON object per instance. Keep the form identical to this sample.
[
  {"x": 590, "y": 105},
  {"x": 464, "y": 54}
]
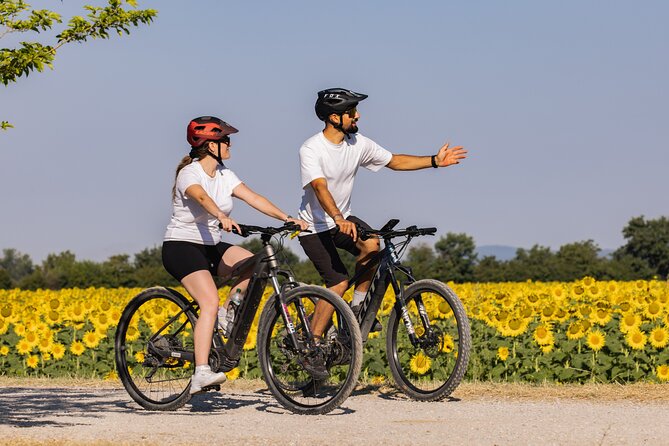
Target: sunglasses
[
  {"x": 225, "y": 140},
  {"x": 352, "y": 112}
]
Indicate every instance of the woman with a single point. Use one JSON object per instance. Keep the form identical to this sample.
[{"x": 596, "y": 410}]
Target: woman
[{"x": 192, "y": 249}]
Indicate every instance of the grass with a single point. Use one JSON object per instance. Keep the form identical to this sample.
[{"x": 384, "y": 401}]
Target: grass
[{"x": 640, "y": 392}]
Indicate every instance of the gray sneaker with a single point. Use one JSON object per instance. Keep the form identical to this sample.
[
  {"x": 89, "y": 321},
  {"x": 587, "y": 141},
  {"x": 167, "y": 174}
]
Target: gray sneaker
[{"x": 376, "y": 326}]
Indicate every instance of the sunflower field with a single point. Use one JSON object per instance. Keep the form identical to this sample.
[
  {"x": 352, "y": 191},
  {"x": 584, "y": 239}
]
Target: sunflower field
[{"x": 583, "y": 331}]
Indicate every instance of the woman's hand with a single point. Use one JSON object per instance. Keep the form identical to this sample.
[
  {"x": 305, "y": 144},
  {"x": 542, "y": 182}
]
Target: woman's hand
[
  {"x": 302, "y": 224},
  {"x": 228, "y": 223}
]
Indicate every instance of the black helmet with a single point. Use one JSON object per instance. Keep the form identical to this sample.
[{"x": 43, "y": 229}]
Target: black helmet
[{"x": 336, "y": 100}]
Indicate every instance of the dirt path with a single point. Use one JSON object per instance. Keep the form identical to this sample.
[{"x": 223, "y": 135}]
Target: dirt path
[{"x": 246, "y": 413}]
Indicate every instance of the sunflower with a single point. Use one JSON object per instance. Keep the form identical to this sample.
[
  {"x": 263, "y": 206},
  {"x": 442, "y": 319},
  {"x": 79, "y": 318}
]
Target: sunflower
[
  {"x": 575, "y": 331},
  {"x": 24, "y": 347},
  {"x": 595, "y": 339},
  {"x": 53, "y": 317},
  {"x": 91, "y": 339},
  {"x": 378, "y": 380},
  {"x": 19, "y": 329},
  {"x": 45, "y": 343},
  {"x": 77, "y": 348},
  {"x": 232, "y": 374},
  {"x": 54, "y": 303},
  {"x": 32, "y": 338},
  {"x": 659, "y": 337},
  {"x": 4, "y": 327},
  {"x": 543, "y": 335},
  {"x": 515, "y": 327},
  {"x": 444, "y": 310},
  {"x": 547, "y": 348},
  {"x": 132, "y": 334},
  {"x": 4, "y": 350},
  {"x": 251, "y": 339},
  {"x": 32, "y": 361},
  {"x": 503, "y": 353},
  {"x": 636, "y": 339},
  {"x": 139, "y": 357},
  {"x": 57, "y": 351},
  {"x": 111, "y": 376},
  {"x": 629, "y": 322},
  {"x": 600, "y": 316},
  {"x": 447, "y": 344},
  {"x": 662, "y": 372},
  {"x": 420, "y": 364},
  {"x": 653, "y": 310}
]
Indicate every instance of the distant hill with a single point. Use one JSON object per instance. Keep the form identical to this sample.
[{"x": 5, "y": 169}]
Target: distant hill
[{"x": 504, "y": 253}]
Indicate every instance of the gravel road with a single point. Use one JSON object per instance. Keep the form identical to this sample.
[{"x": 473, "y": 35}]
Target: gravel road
[{"x": 66, "y": 415}]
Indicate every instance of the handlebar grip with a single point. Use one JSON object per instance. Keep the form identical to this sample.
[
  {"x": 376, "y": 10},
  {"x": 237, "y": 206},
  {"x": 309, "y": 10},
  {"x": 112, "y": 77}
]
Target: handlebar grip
[{"x": 429, "y": 231}]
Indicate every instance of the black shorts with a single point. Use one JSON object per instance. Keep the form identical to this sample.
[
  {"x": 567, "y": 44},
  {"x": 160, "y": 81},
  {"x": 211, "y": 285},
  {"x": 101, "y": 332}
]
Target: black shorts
[
  {"x": 182, "y": 258},
  {"x": 321, "y": 248}
]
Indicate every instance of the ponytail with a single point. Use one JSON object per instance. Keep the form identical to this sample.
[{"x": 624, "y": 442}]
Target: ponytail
[{"x": 196, "y": 152}]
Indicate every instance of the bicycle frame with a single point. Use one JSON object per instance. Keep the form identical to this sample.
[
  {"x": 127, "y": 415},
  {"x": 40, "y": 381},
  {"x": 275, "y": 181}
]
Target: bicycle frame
[
  {"x": 265, "y": 269},
  {"x": 385, "y": 262}
]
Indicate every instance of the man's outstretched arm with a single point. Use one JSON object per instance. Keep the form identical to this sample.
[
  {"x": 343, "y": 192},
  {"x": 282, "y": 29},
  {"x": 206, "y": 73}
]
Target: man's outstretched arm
[{"x": 445, "y": 157}]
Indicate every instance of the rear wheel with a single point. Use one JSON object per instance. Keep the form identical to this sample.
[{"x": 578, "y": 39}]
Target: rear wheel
[
  {"x": 154, "y": 328},
  {"x": 283, "y": 363},
  {"x": 432, "y": 367}
]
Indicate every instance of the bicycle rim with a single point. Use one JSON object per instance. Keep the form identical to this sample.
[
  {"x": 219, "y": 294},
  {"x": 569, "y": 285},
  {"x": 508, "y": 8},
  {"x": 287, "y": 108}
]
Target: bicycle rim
[
  {"x": 153, "y": 325},
  {"x": 284, "y": 372},
  {"x": 433, "y": 367}
]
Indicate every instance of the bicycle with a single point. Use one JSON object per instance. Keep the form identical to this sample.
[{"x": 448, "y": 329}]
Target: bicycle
[
  {"x": 154, "y": 339},
  {"x": 429, "y": 351}
]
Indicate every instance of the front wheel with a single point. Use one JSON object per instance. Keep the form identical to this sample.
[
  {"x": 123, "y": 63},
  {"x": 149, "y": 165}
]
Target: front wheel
[
  {"x": 429, "y": 367},
  {"x": 153, "y": 336},
  {"x": 286, "y": 366}
]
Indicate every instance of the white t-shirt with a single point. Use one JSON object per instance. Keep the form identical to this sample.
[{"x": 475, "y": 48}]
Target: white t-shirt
[
  {"x": 190, "y": 221},
  {"x": 338, "y": 164}
]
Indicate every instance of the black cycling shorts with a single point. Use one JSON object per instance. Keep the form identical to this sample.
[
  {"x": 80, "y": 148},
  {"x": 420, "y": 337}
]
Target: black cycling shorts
[
  {"x": 182, "y": 258},
  {"x": 321, "y": 248}
]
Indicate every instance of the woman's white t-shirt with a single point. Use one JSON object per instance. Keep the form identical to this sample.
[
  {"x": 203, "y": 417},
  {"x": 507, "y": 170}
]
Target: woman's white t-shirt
[
  {"x": 338, "y": 164},
  {"x": 190, "y": 221}
]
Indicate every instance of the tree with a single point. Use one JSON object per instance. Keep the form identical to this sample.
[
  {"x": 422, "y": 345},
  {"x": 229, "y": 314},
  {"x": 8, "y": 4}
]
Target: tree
[
  {"x": 577, "y": 260},
  {"x": 648, "y": 243},
  {"x": 16, "y": 265},
  {"x": 16, "y": 16},
  {"x": 456, "y": 257},
  {"x": 5, "y": 280},
  {"x": 537, "y": 263},
  {"x": 423, "y": 261}
]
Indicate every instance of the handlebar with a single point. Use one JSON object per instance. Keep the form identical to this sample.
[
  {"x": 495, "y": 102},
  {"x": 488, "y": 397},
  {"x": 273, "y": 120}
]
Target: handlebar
[
  {"x": 387, "y": 232},
  {"x": 267, "y": 230}
]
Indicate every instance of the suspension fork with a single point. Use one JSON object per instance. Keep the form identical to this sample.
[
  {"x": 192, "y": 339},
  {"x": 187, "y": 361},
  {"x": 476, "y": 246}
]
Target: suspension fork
[
  {"x": 285, "y": 314},
  {"x": 403, "y": 309}
]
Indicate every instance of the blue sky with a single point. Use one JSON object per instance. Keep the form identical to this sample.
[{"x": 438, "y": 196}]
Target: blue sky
[{"x": 562, "y": 106}]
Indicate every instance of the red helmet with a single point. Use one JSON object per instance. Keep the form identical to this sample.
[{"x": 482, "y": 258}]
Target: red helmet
[{"x": 207, "y": 128}]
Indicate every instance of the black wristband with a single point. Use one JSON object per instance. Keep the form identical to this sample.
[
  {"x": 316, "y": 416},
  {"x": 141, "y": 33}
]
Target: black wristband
[{"x": 433, "y": 160}]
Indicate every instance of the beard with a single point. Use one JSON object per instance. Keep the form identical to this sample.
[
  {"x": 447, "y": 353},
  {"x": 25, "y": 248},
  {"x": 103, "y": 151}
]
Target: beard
[{"x": 353, "y": 128}]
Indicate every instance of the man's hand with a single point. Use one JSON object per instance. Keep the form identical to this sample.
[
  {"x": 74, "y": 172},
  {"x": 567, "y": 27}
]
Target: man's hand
[
  {"x": 450, "y": 155},
  {"x": 346, "y": 227}
]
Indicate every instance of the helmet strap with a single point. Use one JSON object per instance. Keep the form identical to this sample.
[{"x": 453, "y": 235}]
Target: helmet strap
[
  {"x": 340, "y": 126},
  {"x": 218, "y": 156}
]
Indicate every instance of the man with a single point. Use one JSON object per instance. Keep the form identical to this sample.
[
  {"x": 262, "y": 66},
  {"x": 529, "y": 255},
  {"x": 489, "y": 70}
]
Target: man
[{"x": 329, "y": 162}]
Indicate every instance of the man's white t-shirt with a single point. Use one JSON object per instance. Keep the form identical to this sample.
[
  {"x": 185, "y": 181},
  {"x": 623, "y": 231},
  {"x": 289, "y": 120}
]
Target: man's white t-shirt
[
  {"x": 338, "y": 164},
  {"x": 190, "y": 221}
]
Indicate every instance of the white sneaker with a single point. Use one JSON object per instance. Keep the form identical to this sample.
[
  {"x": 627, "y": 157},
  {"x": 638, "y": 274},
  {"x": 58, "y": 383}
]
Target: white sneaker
[{"x": 204, "y": 378}]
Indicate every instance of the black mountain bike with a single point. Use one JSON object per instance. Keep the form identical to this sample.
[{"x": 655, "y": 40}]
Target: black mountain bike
[
  {"x": 154, "y": 339},
  {"x": 428, "y": 338}
]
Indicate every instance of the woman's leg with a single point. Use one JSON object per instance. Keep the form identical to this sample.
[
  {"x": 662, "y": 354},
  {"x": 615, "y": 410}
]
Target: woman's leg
[
  {"x": 201, "y": 286},
  {"x": 232, "y": 257}
]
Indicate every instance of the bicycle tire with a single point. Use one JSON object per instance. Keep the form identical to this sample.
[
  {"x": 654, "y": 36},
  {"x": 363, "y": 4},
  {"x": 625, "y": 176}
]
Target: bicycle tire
[
  {"x": 292, "y": 386},
  {"x": 143, "y": 321},
  {"x": 449, "y": 347}
]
